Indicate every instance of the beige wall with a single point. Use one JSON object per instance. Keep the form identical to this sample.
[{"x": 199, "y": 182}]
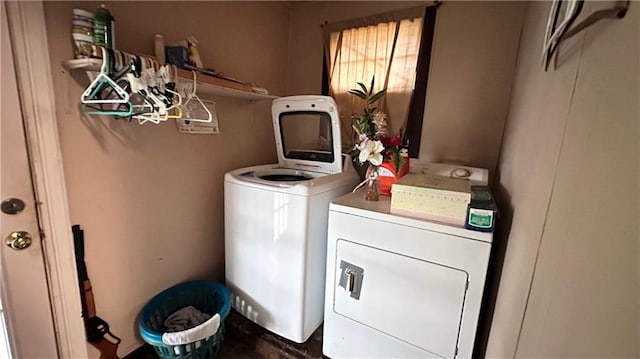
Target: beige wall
[
  {"x": 569, "y": 169},
  {"x": 472, "y": 65},
  {"x": 151, "y": 199},
  {"x": 473, "y": 62}
]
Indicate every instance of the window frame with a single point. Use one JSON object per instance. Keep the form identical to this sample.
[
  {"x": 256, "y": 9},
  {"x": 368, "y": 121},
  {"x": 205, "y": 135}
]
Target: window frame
[{"x": 413, "y": 132}]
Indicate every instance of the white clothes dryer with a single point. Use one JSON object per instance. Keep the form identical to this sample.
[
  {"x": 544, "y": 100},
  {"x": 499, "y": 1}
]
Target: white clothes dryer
[
  {"x": 276, "y": 219},
  {"x": 401, "y": 287}
]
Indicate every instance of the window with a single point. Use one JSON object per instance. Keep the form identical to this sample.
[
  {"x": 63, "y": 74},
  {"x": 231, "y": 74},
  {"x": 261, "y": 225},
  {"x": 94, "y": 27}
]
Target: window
[
  {"x": 299, "y": 133},
  {"x": 395, "y": 48}
]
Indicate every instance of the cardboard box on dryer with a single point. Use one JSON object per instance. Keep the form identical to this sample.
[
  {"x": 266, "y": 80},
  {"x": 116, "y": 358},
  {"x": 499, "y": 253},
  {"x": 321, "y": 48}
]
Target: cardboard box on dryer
[{"x": 442, "y": 199}]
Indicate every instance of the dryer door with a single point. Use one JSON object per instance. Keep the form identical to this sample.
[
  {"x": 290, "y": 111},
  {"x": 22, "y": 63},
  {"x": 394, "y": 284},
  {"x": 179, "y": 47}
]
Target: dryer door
[{"x": 412, "y": 300}]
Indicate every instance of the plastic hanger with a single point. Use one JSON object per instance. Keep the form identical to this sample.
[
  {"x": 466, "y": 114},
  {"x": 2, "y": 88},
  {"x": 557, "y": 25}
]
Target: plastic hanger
[
  {"x": 88, "y": 96},
  {"x": 94, "y": 104},
  {"x": 554, "y": 12},
  {"x": 140, "y": 89},
  {"x": 551, "y": 42},
  {"x": 137, "y": 88},
  {"x": 618, "y": 11},
  {"x": 147, "y": 106},
  {"x": 158, "y": 110},
  {"x": 194, "y": 105},
  {"x": 177, "y": 103}
]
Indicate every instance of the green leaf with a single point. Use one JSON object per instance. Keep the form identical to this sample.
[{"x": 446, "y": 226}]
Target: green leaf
[
  {"x": 373, "y": 81},
  {"x": 358, "y": 93},
  {"x": 398, "y": 160},
  {"x": 363, "y": 87},
  {"x": 377, "y": 96}
]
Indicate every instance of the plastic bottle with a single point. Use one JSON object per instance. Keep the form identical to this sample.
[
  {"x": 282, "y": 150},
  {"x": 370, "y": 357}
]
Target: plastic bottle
[
  {"x": 103, "y": 28},
  {"x": 158, "y": 45},
  {"x": 194, "y": 55}
]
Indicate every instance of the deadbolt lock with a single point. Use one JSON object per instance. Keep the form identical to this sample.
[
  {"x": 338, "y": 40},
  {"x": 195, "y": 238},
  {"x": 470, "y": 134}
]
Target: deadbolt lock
[
  {"x": 18, "y": 240},
  {"x": 12, "y": 206}
]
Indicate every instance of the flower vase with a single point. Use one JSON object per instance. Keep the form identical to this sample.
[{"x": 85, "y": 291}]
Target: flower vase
[{"x": 372, "y": 191}]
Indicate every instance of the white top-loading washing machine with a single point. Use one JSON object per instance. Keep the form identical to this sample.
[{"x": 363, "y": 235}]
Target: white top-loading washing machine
[
  {"x": 276, "y": 219},
  {"x": 401, "y": 287}
]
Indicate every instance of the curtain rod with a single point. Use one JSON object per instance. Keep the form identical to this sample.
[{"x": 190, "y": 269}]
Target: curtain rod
[{"x": 435, "y": 3}]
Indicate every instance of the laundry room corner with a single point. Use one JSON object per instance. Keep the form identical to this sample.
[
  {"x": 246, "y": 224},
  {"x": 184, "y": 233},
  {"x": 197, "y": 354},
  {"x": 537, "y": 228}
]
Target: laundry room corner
[
  {"x": 321, "y": 179},
  {"x": 150, "y": 199}
]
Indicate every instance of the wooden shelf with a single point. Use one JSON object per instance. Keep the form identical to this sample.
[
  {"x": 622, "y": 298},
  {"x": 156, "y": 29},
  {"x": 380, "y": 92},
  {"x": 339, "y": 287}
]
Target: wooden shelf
[{"x": 207, "y": 85}]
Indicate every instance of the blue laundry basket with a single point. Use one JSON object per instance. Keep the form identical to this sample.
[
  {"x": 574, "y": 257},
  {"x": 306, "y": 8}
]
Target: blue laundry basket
[{"x": 206, "y": 296}]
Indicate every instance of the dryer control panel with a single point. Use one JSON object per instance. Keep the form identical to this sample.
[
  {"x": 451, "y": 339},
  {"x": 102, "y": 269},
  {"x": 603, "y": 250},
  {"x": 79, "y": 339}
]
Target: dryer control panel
[{"x": 476, "y": 176}]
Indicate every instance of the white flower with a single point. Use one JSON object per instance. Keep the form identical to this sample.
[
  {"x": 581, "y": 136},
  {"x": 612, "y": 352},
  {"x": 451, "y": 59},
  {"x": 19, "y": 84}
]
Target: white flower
[
  {"x": 371, "y": 151},
  {"x": 380, "y": 120}
]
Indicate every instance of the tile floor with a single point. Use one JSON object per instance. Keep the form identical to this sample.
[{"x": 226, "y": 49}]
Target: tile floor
[{"x": 244, "y": 339}]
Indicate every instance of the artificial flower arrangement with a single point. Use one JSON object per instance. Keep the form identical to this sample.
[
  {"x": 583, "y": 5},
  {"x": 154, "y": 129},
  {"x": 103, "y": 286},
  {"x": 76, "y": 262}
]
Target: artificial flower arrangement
[{"x": 374, "y": 144}]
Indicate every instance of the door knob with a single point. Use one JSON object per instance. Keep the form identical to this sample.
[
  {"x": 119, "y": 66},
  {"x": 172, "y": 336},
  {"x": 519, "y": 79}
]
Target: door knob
[{"x": 18, "y": 240}]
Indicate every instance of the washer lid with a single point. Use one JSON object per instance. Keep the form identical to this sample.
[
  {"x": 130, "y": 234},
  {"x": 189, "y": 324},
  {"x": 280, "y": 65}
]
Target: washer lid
[{"x": 307, "y": 133}]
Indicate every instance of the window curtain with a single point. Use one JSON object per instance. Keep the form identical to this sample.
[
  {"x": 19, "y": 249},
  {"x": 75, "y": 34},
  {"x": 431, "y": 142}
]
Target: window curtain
[{"x": 385, "y": 46}]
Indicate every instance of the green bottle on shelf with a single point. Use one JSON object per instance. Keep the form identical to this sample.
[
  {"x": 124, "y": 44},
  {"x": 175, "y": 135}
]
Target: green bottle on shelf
[{"x": 103, "y": 28}]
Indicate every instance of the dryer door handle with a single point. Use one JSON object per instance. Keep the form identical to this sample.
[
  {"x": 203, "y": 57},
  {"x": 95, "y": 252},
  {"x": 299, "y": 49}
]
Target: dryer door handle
[
  {"x": 351, "y": 281},
  {"x": 351, "y": 277}
]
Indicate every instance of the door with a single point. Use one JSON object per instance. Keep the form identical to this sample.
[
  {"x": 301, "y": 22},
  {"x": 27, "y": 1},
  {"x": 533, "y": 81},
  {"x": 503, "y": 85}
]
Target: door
[
  {"x": 25, "y": 305},
  {"x": 413, "y": 300}
]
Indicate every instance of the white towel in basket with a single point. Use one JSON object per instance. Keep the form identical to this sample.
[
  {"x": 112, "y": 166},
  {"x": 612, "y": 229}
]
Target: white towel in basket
[
  {"x": 202, "y": 331},
  {"x": 185, "y": 318}
]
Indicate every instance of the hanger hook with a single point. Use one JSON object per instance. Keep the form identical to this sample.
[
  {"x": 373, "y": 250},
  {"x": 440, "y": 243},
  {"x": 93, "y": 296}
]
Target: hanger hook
[
  {"x": 193, "y": 93},
  {"x": 103, "y": 68}
]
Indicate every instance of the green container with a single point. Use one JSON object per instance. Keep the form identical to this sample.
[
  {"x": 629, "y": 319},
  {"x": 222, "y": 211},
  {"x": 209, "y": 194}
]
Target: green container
[
  {"x": 482, "y": 211},
  {"x": 103, "y": 28}
]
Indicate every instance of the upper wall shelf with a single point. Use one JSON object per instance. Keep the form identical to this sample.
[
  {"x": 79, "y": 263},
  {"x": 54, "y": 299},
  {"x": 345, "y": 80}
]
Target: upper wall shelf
[{"x": 207, "y": 85}]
